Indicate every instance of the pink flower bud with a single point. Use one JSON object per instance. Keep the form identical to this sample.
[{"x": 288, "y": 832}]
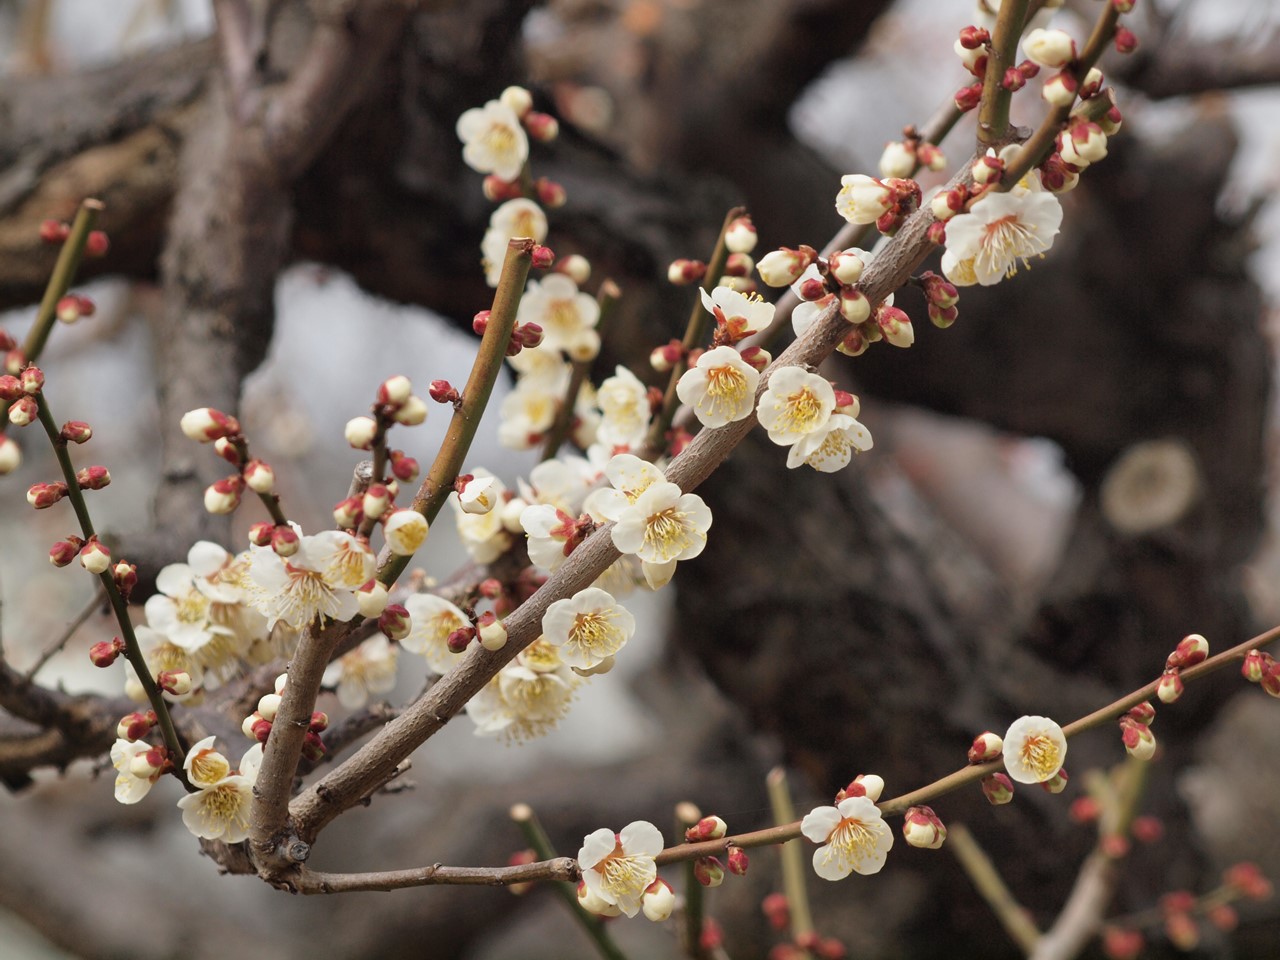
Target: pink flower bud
[
  {"x": 94, "y": 557},
  {"x": 498, "y": 190},
  {"x": 14, "y": 361},
  {"x": 1191, "y": 649},
  {"x": 403, "y": 467},
  {"x": 1057, "y": 783},
  {"x": 1114, "y": 845},
  {"x": 96, "y": 244},
  {"x": 313, "y": 748},
  {"x": 23, "y": 411},
  {"x": 550, "y": 194},
  {"x": 104, "y": 653},
  {"x": 69, "y": 309},
  {"x": 741, "y": 236},
  {"x": 135, "y": 726},
  {"x": 372, "y": 599},
  {"x": 739, "y": 265},
  {"x": 756, "y": 357},
  {"x": 683, "y": 272},
  {"x": 541, "y": 126},
  {"x": 986, "y": 746},
  {"x": 64, "y": 551},
  {"x": 966, "y": 98},
  {"x": 360, "y": 432},
  {"x": 1143, "y": 713},
  {"x": 32, "y": 380},
  {"x": 223, "y": 496},
  {"x": 1111, "y": 121},
  {"x": 922, "y": 828},
  {"x": 75, "y": 431},
  {"x": 125, "y": 575},
  {"x": 319, "y": 721},
  {"x": 782, "y": 267},
  {"x": 997, "y": 788},
  {"x": 1013, "y": 80},
  {"x": 394, "y": 391},
  {"x": 93, "y": 478},
  {"x": 528, "y": 334},
  {"x": 738, "y": 861},
  {"x": 1271, "y": 680},
  {"x": 1248, "y": 880},
  {"x": 1255, "y": 666},
  {"x": 1060, "y": 89},
  {"x": 493, "y": 635},
  {"x": 708, "y": 871},
  {"x": 174, "y": 682},
  {"x": 1171, "y": 686},
  {"x": 44, "y": 495},
  {"x": 10, "y": 388},
  {"x": 658, "y": 901},
  {"x": 1147, "y": 829},
  {"x": 1126, "y": 40},
  {"x": 1121, "y": 944},
  {"x": 260, "y": 533},
  {"x": 894, "y": 324},
  {"x": 261, "y": 730},
  {"x": 348, "y": 514},
  {"x": 460, "y": 639},
  {"x": 708, "y": 828},
  {"x": 10, "y": 455},
  {"x": 206, "y": 425},
  {"x": 854, "y": 305},
  {"x": 54, "y": 231},
  {"x": 971, "y": 38},
  {"x": 1138, "y": 739},
  {"x": 1084, "y": 809},
  {"x": 1182, "y": 931},
  {"x": 1092, "y": 83},
  {"x": 543, "y": 257},
  {"x": 149, "y": 765},
  {"x": 412, "y": 412},
  {"x": 284, "y": 541},
  {"x": 846, "y": 266},
  {"x": 395, "y": 622},
  {"x": 229, "y": 451}
]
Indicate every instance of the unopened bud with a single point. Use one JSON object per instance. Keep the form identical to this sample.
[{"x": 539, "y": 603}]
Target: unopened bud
[
  {"x": 921, "y": 827},
  {"x": 1121, "y": 944},
  {"x": 1092, "y": 83},
  {"x": 149, "y": 764},
  {"x": 54, "y": 231},
  {"x": 854, "y": 305},
  {"x": 1248, "y": 880},
  {"x": 260, "y": 533},
  {"x": 319, "y": 721},
  {"x": 528, "y": 334},
  {"x": 658, "y": 901},
  {"x": 75, "y": 431},
  {"x": 135, "y": 726},
  {"x": 551, "y": 194},
  {"x": 394, "y": 391},
  {"x": 493, "y": 635},
  {"x": 847, "y": 403},
  {"x": 1057, "y": 783},
  {"x": 460, "y": 639},
  {"x": 44, "y": 495},
  {"x": 1142, "y": 713},
  {"x": 971, "y": 37},
  {"x": 206, "y": 425},
  {"x": 846, "y": 266},
  {"x": 23, "y": 411},
  {"x": 10, "y": 455},
  {"x": 96, "y": 244},
  {"x": 541, "y": 126},
  {"x": 64, "y": 551},
  {"x": 403, "y": 467},
  {"x": 104, "y": 653},
  {"x": 125, "y": 575},
  {"x": 412, "y": 412},
  {"x": 576, "y": 267},
  {"x": 360, "y": 431},
  {"x": 10, "y": 388},
  {"x": 1191, "y": 649},
  {"x": 284, "y": 541},
  {"x": 708, "y": 871},
  {"x": 313, "y": 748},
  {"x": 739, "y": 265},
  {"x": 895, "y": 325},
  {"x": 372, "y": 599},
  {"x": 395, "y": 622},
  {"x": 997, "y": 788},
  {"x": 1255, "y": 665},
  {"x": 269, "y": 706},
  {"x": 756, "y": 357},
  {"x": 986, "y": 746},
  {"x": 348, "y": 513},
  {"x": 94, "y": 557},
  {"x": 966, "y": 98},
  {"x": 93, "y": 478},
  {"x": 1013, "y": 80},
  {"x": 543, "y": 257},
  {"x": 738, "y": 861},
  {"x": 1060, "y": 89},
  {"x": 1170, "y": 687},
  {"x": 405, "y": 531},
  {"x": 1138, "y": 740},
  {"x": 782, "y": 267},
  {"x": 376, "y": 501},
  {"x": 224, "y": 496},
  {"x": 174, "y": 682},
  {"x": 684, "y": 272},
  {"x": 32, "y": 380},
  {"x": 708, "y": 828}
]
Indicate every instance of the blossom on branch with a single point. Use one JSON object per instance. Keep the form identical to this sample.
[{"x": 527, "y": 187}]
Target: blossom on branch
[
  {"x": 493, "y": 140},
  {"x": 830, "y": 448},
  {"x": 662, "y": 527},
  {"x": 219, "y": 810},
  {"x": 319, "y": 581},
  {"x": 618, "y": 868},
  {"x": 853, "y": 835},
  {"x": 434, "y": 618},
  {"x": 527, "y": 698},
  {"x": 985, "y": 245},
  {"x": 1034, "y": 749},
  {"x": 794, "y": 404},
  {"x": 369, "y": 668},
  {"x": 567, "y": 316},
  {"x": 587, "y": 628},
  {"x": 720, "y": 387}
]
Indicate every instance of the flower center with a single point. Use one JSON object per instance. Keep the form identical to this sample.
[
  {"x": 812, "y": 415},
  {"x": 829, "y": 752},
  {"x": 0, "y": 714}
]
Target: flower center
[
  {"x": 665, "y": 535},
  {"x": 624, "y": 876},
  {"x": 540, "y": 657},
  {"x": 563, "y": 317},
  {"x": 500, "y": 139},
  {"x": 801, "y": 412},
  {"x": 1040, "y": 753},
  {"x": 595, "y": 632},
  {"x": 1006, "y": 241},
  {"x": 209, "y": 766},
  {"x": 725, "y": 387},
  {"x": 347, "y": 567},
  {"x": 225, "y": 805},
  {"x": 850, "y": 843},
  {"x": 192, "y": 607}
]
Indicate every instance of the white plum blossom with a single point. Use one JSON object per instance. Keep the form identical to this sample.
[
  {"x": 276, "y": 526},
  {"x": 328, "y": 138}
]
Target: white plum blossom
[
  {"x": 184, "y": 609},
  {"x": 515, "y": 218},
  {"x": 162, "y": 654},
  {"x": 587, "y": 628},
  {"x": 662, "y": 527},
  {"x": 204, "y": 765},
  {"x": 130, "y": 788},
  {"x": 549, "y": 530},
  {"x": 369, "y": 668},
  {"x": 720, "y": 387},
  {"x": 618, "y": 867},
  {"x": 985, "y": 245},
  {"x": 527, "y": 413},
  {"x": 795, "y": 403},
  {"x": 542, "y": 365},
  {"x": 624, "y": 405},
  {"x": 479, "y": 495},
  {"x": 1034, "y": 750},
  {"x": 629, "y": 477},
  {"x": 434, "y": 618},
  {"x": 493, "y": 140},
  {"x": 853, "y": 835},
  {"x": 567, "y": 316},
  {"x": 220, "y": 810},
  {"x": 482, "y": 534},
  {"x": 319, "y": 581},
  {"x": 830, "y": 449},
  {"x": 527, "y": 698},
  {"x": 740, "y": 313},
  {"x": 863, "y": 199}
]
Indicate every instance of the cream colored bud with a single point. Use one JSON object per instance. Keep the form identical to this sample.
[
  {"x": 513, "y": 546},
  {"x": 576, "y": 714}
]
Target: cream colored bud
[
  {"x": 360, "y": 432},
  {"x": 412, "y": 413}
]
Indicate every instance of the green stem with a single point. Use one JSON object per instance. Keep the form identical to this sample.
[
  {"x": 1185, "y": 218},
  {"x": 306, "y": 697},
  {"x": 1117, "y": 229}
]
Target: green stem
[
  {"x": 687, "y": 815},
  {"x": 1012, "y": 915},
  {"x": 538, "y": 841},
  {"x": 559, "y": 432},
  {"x": 64, "y": 272},
  {"x": 694, "y": 334},
  {"x": 793, "y": 869},
  {"x": 438, "y": 483},
  {"x": 993, "y": 111}
]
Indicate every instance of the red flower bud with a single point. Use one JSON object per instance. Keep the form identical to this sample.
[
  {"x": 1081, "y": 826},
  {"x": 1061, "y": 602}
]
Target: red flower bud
[
  {"x": 543, "y": 257},
  {"x": 54, "y": 231},
  {"x": 104, "y": 653},
  {"x": 75, "y": 431},
  {"x": 93, "y": 478},
  {"x": 96, "y": 244},
  {"x": 480, "y": 322}
]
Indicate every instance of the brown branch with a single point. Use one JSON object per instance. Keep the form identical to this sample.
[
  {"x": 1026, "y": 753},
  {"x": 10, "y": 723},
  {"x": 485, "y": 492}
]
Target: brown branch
[
  {"x": 312, "y": 881},
  {"x": 1185, "y": 67}
]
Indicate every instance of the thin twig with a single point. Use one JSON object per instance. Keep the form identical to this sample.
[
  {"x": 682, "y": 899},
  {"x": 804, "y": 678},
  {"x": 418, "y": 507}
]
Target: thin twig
[
  {"x": 64, "y": 272},
  {"x": 1013, "y": 916},
  {"x": 693, "y": 913},
  {"x": 793, "y": 869},
  {"x": 95, "y": 603},
  {"x": 314, "y": 881},
  {"x": 993, "y": 110}
]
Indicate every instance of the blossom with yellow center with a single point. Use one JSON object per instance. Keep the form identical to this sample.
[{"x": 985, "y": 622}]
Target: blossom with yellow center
[
  {"x": 482, "y": 534},
  {"x": 204, "y": 765},
  {"x": 853, "y": 835},
  {"x": 617, "y": 868},
  {"x": 720, "y": 387},
  {"x": 515, "y": 218},
  {"x": 220, "y": 810},
  {"x": 162, "y": 654},
  {"x": 369, "y": 668},
  {"x": 493, "y": 140},
  {"x": 130, "y": 788},
  {"x": 1034, "y": 749},
  {"x": 588, "y": 627},
  {"x": 434, "y": 618},
  {"x": 629, "y": 476},
  {"x": 663, "y": 525},
  {"x": 527, "y": 698},
  {"x": 319, "y": 581},
  {"x": 567, "y": 316},
  {"x": 830, "y": 449},
  {"x": 795, "y": 403},
  {"x": 624, "y": 406},
  {"x": 986, "y": 244}
]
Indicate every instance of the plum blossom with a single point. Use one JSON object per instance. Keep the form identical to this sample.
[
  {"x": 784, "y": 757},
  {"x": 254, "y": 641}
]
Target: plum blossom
[
  {"x": 319, "y": 580},
  {"x": 434, "y": 618},
  {"x": 369, "y": 668},
  {"x": 162, "y": 654},
  {"x": 794, "y": 404},
  {"x": 853, "y": 835},
  {"x": 587, "y": 628},
  {"x": 830, "y": 448},
  {"x": 550, "y": 531},
  {"x": 985, "y": 245},
  {"x": 629, "y": 476},
  {"x": 1034, "y": 749},
  {"x": 567, "y": 316},
  {"x": 527, "y": 698},
  {"x": 129, "y": 787},
  {"x": 617, "y": 868},
  {"x": 515, "y": 218},
  {"x": 185, "y": 608},
  {"x": 720, "y": 387},
  {"x": 740, "y": 315},
  {"x": 493, "y": 140},
  {"x": 527, "y": 413},
  {"x": 624, "y": 405},
  {"x": 662, "y": 527},
  {"x": 219, "y": 810},
  {"x": 482, "y": 534}
]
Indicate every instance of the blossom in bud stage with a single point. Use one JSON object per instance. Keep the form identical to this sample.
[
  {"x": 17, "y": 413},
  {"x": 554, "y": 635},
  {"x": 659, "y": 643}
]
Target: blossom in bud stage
[
  {"x": 1182, "y": 931},
  {"x": 1170, "y": 687},
  {"x": 64, "y": 551},
  {"x": 551, "y": 194},
  {"x": 260, "y": 533},
  {"x": 1084, "y": 809},
  {"x": 997, "y": 788},
  {"x": 1248, "y": 880},
  {"x": 494, "y": 140},
  {"x": 223, "y": 496},
  {"x": 895, "y": 325},
  {"x": 1082, "y": 143},
  {"x": 974, "y": 59},
  {"x": 931, "y": 157},
  {"x": 658, "y": 901},
  {"x": 395, "y": 622},
  {"x": 708, "y": 828},
  {"x": 129, "y": 787},
  {"x": 479, "y": 324},
  {"x": 1057, "y": 783},
  {"x": 10, "y": 455},
  {"x": 32, "y": 380},
  {"x": 394, "y": 391},
  {"x": 1191, "y": 649},
  {"x": 54, "y": 231},
  {"x": 70, "y": 308},
  {"x": 269, "y": 706},
  {"x": 1060, "y": 89},
  {"x": 737, "y": 316},
  {"x": 683, "y": 272},
  {"x": 1147, "y": 829},
  {"x": 898, "y": 159},
  {"x": 228, "y": 451},
  {"x": 542, "y": 257},
  {"x": 95, "y": 557},
  {"x": 125, "y": 575},
  {"x": 348, "y": 513},
  {"x": 853, "y": 838},
  {"x": 594, "y": 904},
  {"x": 23, "y": 411},
  {"x": 1092, "y": 83},
  {"x": 720, "y": 388},
  {"x": 867, "y": 785},
  {"x": 985, "y": 245},
  {"x": 619, "y": 868},
  {"x": 708, "y": 871},
  {"x": 1049, "y": 48},
  {"x": 92, "y": 478},
  {"x": 405, "y": 531},
  {"x": 460, "y": 639},
  {"x": 1034, "y": 749},
  {"x": 576, "y": 267},
  {"x": 738, "y": 861},
  {"x": 135, "y": 726},
  {"x": 1126, "y": 40},
  {"x": 376, "y": 501},
  {"x": 740, "y": 236},
  {"x": 220, "y": 809},
  {"x": 973, "y": 37},
  {"x": 412, "y": 412},
  {"x": 847, "y": 265},
  {"x": 541, "y": 126},
  {"x": 44, "y": 495},
  {"x": 1255, "y": 666},
  {"x": 795, "y": 403},
  {"x": 988, "y": 168},
  {"x": 782, "y": 267},
  {"x": 921, "y": 827},
  {"x": 739, "y": 265},
  {"x": 75, "y": 431},
  {"x": 360, "y": 431},
  {"x": 665, "y": 357},
  {"x": 104, "y": 653},
  {"x": 966, "y": 98},
  {"x": 403, "y": 467},
  {"x": 492, "y": 633},
  {"x": 1142, "y": 713},
  {"x": 177, "y": 683},
  {"x": 1122, "y": 944},
  {"x": 588, "y": 627},
  {"x": 206, "y": 425},
  {"x": 986, "y": 746},
  {"x": 863, "y": 199},
  {"x": 10, "y": 388},
  {"x": 1138, "y": 739},
  {"x": 1013, "y": 80}
]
